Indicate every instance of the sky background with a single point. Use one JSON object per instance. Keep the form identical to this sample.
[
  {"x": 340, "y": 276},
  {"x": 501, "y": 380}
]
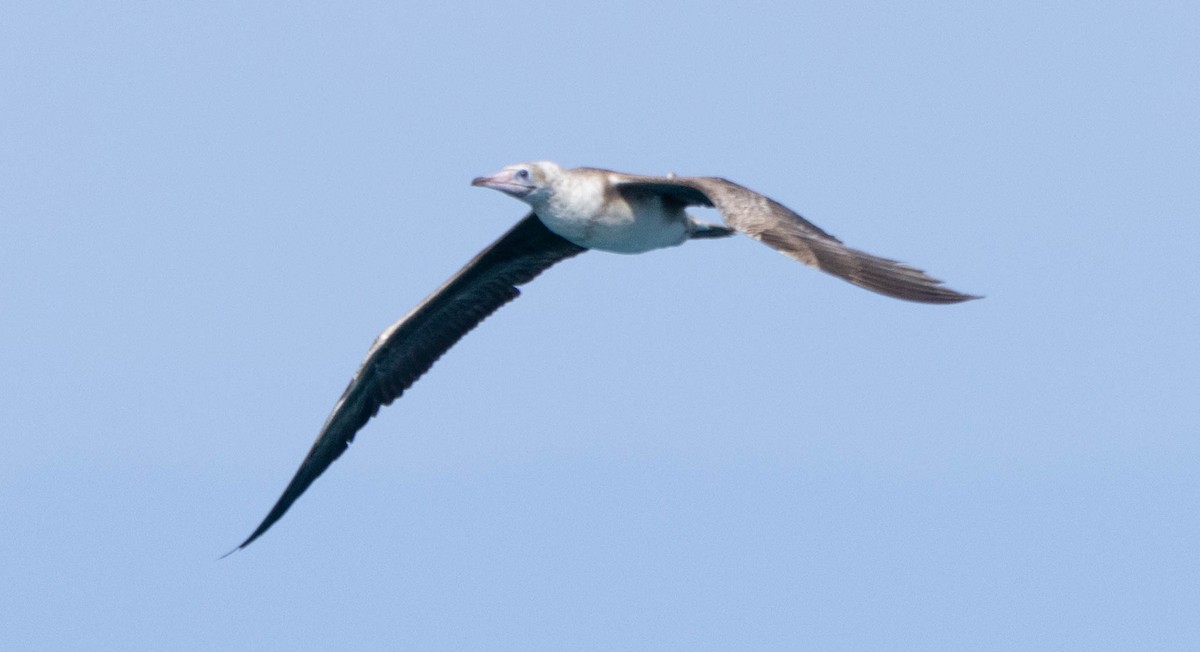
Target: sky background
[{"x": 208, "y": 212}]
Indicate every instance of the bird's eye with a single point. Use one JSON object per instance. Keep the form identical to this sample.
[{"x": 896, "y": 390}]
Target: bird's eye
[{"x": 522, "y": 173}]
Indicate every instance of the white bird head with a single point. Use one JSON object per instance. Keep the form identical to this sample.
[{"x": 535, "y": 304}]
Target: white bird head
[{"x": 532, "y": 183}]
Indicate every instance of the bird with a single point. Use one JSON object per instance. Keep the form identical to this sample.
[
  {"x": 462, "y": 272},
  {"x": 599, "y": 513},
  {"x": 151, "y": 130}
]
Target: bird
[{"x": 574, "y": 210}]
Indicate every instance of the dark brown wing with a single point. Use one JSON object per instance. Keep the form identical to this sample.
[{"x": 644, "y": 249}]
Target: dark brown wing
[
  {"x": 776, "y": 226},
  {"x": 408, "y": 348}
]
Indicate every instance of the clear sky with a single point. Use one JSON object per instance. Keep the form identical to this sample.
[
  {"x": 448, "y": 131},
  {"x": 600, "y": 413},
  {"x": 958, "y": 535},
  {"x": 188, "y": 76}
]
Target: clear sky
[{"x": 207, "y": 213}]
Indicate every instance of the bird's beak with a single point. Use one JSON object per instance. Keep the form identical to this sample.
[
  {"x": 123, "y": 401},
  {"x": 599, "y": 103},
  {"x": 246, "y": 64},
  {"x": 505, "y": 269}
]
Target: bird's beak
[{"x": 505, "y": 181}]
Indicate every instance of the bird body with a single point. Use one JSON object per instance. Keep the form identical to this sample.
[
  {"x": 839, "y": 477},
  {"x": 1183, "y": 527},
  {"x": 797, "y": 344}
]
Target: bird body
[
  {"x": 573, "y": 211},
  {"x": 585, "y": 206}
]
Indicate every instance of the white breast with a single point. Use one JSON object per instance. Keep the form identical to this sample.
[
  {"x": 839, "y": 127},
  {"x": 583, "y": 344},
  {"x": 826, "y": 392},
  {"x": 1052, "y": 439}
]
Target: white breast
[{"x": 584, "y": 211}]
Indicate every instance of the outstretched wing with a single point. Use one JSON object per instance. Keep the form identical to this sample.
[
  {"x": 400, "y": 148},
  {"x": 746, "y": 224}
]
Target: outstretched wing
[
  {"x": 776, "y": 226},
  {"x": 408, "y": 348}
]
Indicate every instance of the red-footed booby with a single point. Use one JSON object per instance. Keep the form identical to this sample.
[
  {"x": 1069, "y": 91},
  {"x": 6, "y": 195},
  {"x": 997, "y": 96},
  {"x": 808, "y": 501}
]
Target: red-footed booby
[{"x": 575, "y": 210}]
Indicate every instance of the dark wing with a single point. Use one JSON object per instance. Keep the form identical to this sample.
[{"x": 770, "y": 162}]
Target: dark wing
[
  {"x": 408, "y": 348},
  {"x": 778, "y": 227}
]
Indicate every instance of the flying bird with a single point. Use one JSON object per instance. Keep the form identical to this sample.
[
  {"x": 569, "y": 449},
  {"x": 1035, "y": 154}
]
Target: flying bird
[{"x": 574, "y": 210}]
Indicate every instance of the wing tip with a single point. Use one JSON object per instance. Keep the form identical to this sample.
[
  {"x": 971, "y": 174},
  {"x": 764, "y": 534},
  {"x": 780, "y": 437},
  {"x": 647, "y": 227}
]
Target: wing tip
[
  {"x": 948, "y": 296},
  {"x": 258, "y": 532}
]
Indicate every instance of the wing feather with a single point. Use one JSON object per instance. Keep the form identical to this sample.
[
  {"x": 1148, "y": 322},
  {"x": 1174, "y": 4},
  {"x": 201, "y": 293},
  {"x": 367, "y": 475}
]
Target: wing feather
[
  {"x": 408, "y": 348},
  {"x": 780, "y": 228}
]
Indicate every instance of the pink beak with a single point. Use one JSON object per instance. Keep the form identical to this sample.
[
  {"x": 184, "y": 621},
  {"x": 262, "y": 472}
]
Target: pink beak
[{"x": 505, "y": 181}]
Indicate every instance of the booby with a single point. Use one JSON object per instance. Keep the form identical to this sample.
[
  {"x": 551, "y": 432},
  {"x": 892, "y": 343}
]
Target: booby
[{"x": 574, "y": 210}]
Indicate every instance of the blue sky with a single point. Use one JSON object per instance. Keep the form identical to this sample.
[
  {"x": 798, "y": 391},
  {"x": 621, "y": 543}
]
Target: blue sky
[{"x": 208, "y": 212}]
